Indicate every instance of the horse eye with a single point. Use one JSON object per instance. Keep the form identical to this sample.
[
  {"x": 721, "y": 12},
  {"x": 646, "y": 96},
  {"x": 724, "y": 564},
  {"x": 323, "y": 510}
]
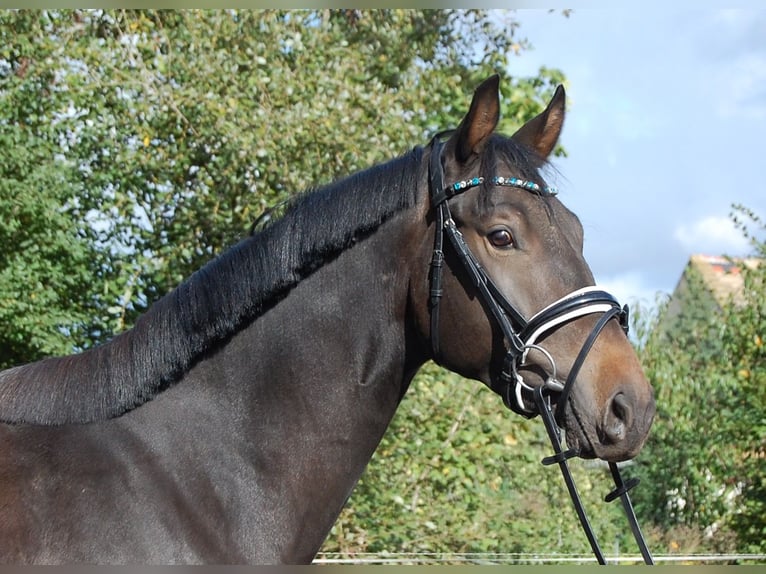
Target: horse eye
[{"x": 501, "y": 238}]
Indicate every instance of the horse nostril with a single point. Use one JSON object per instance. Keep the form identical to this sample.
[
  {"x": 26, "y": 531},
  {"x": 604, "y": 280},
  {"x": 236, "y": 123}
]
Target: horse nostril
[{"x": 618, "y": 418}]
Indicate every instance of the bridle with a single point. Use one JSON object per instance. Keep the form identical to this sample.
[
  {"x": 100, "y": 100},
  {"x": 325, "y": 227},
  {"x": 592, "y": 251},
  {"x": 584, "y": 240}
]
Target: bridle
[{"x": 521, "y": 334}]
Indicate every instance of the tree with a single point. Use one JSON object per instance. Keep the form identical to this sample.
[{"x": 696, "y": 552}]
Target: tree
[
  {"x": 704, "y": 457},
  {"x": 47, "y": 257}
]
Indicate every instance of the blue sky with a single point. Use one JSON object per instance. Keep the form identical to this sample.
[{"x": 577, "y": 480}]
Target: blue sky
[{"x": 665, "y": 131}]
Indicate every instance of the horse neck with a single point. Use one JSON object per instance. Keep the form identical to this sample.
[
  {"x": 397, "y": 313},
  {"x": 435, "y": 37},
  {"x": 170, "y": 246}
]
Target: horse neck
[{"x": 314, "y": 383}]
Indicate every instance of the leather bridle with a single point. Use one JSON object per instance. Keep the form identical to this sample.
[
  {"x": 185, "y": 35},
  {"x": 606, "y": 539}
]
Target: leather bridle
[{"x": 521, "y": 334}]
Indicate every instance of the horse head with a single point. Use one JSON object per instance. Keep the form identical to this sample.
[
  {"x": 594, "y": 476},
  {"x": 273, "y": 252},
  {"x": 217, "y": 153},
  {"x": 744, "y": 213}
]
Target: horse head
[{"x": 512, "y": 299}]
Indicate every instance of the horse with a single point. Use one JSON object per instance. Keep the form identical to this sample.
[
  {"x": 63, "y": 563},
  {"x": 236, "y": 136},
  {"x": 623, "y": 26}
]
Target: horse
[{"x": 231, "y": 422}]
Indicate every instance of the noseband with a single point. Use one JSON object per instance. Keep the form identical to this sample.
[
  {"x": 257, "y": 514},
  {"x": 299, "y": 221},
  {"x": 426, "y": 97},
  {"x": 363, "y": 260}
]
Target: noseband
[{"x": 521, "y": 335}]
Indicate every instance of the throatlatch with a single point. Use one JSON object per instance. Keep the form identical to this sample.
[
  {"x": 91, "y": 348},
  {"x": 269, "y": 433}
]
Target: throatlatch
[{"x": 521, "y": 336}]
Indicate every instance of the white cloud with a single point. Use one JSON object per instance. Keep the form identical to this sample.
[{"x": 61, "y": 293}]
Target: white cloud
[{"x": 712, "y": 235}]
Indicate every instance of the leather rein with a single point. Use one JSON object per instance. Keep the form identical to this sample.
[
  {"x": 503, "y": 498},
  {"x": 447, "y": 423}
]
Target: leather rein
[{"x": 521, "y": 335}]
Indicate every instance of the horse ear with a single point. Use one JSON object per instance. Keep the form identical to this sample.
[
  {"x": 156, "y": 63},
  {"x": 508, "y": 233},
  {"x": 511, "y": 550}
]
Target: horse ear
[
  {"x": 542, "y": 132},
  {"x": 480, "y": 121}
]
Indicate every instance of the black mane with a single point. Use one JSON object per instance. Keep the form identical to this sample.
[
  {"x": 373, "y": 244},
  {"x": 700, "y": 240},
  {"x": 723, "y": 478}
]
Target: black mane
[{"x": 215, "y": 302}]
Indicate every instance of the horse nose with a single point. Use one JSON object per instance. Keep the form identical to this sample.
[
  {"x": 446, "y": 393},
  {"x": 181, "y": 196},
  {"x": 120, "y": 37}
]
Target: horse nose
[
  {"x": 626, "y": 421},
  {"x": 618, "y": 418},
  {"x": 625, "y": 425}
]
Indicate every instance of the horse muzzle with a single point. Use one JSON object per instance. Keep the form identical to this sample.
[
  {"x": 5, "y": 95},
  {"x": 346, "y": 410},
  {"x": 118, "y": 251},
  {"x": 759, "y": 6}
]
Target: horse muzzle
[
  {"x": 617, "y": 433},
  {"x": 613, "y": 429}
]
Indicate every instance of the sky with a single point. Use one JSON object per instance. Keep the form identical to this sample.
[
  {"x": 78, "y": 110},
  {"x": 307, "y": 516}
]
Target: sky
[{"x": 665, "y": 127}]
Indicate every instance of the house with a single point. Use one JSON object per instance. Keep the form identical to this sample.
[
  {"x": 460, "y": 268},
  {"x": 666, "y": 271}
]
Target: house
[{"x": 706, "y": 285}]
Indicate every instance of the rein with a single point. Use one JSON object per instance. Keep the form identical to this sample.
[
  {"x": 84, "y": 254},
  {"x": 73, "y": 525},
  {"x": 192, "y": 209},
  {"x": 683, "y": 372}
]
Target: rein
[{"x": 521, "y": 335}]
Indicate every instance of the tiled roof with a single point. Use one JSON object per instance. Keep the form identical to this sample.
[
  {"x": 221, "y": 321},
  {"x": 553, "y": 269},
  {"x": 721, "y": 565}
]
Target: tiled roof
[{"x": 722, "y": 275}]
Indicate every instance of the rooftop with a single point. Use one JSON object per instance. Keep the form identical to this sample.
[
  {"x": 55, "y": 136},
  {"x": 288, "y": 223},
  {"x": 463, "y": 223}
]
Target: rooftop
[{"x": 722, "y": 275}]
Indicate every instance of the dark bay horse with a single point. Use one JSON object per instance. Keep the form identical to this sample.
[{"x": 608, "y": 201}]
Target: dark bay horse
[{"x": 231, "y": 423}]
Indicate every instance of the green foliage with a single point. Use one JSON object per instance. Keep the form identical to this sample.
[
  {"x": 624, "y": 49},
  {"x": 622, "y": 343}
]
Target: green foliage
[
  {"x": 46, "y": 258},
  {"x": 458, "y": 473},
  {"x": 705, "y": 456}
]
